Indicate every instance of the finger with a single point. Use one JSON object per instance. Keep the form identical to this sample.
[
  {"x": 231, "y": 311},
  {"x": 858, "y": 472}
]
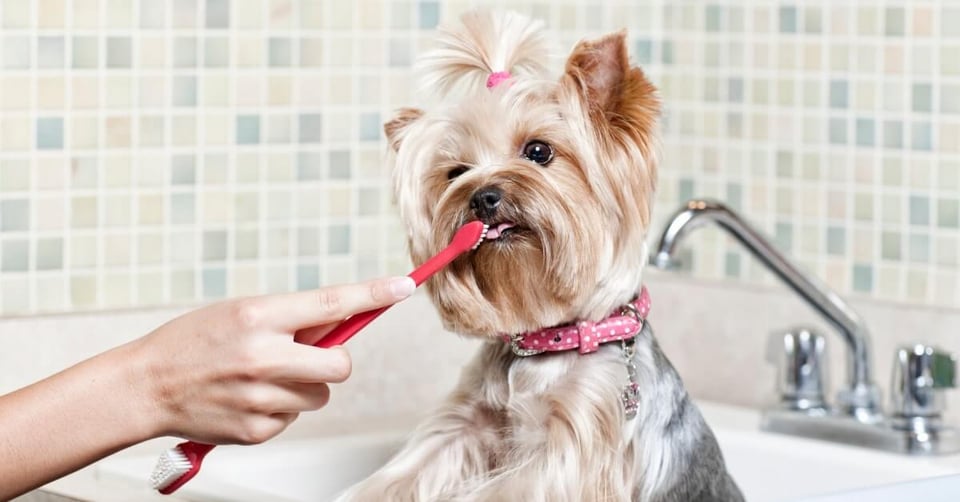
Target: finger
[
  {"x": 302, "y": 363},
  {"x": 286, "y": 398},
  {"x": 334, "y": 303}
]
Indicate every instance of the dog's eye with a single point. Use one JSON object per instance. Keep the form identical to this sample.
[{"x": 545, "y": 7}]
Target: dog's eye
[
  {"x": 539, "y": 152},
  {"x": 456, "y": 171}
]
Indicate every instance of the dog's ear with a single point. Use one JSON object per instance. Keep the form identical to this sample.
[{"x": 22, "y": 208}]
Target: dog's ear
[
  {"x": 601, "y": 72},
  {"x": 394, "y": 129}
]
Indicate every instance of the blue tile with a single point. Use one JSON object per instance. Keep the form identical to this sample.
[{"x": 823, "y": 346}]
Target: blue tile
[
  {"x": 922, "y": 97},
  {"x": 838, "y": 131},
  {"x": 340, "y": 165},
  {"x": 215, "y": 245},
  {"x": 735, "y": 89},
  {"x": 214, "y": 283},
  {"x": 280, "y": 52},
  {"x": 308, "y": 166},
  {"x": 50, "y": 253},
  {"x": 714, "y": 18},
  {"x": 865, "y": 132},
  {"x": 919, "y": 210},
  {"x": 248, "y": 129},
  {"x": 338, "y": 239},
  {"x": 429, "y": 15},
  {"x": 891, "y": 246},
  {"x": 50, "y": 133},
  {"x": 836, "y": 241},
  {"x": 893, "y": 21},
  {"x": 921, "y": 136},
  {"x": 182, "y": 208},
  {"x": 788, "y": 19},
  {"x": 308, "y": 277},
  {"x": 16, "y": 255},
  {"x": 948, "y": 213},
  {"x": 185, "y": 52},
  {"x": 783, "y": 236},
  {"x": 14, "y": 215},
  {"x": 370, "y": 127},
  {"x": 184, "y": 91},
  {"x": 731, "y": 264},
  {"x": 183, "y": 170},
  {"x": 218, "y": 13},
  {"x": 119, "y": 52},
  {"x": 918, "y": 248},
  {"x": 862, "y": 278},
  {"x": 685, "y": 189},
  {"x": 310, "y": 128},
  {"x": 50, "y": 52},
  {"x": 893, "y": 134},
  {"x": 838, "y": 94},
  {"x": 643, "y": 51}
]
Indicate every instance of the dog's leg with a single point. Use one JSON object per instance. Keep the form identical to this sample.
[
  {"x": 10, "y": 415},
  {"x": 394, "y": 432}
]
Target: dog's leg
[{"x": 455, "y": 448}]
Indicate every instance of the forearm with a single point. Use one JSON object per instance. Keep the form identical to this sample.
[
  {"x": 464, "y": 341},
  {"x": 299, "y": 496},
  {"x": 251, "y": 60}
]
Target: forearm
[{"x": 71, "y": 419}]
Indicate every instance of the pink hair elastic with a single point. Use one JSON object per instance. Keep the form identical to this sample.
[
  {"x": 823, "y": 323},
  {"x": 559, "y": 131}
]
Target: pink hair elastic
[{"x": 496, "y": 78}]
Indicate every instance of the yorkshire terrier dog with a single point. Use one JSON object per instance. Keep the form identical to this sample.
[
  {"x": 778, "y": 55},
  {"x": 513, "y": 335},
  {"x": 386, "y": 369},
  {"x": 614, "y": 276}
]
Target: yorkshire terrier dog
[{"x": 570, "y": 398}]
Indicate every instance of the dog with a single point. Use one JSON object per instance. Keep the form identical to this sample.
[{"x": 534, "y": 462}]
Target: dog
[{"x": 563, "y": 171}]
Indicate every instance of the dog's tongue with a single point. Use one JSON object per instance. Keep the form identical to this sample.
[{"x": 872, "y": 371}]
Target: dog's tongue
[{"x": 495, "y": 232}]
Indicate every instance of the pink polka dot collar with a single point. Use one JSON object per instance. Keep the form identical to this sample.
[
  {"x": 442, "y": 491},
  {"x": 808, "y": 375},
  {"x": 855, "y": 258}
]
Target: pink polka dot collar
[{"x": 584, "y": 336}]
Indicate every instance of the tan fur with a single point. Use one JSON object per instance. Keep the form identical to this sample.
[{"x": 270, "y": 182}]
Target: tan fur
[{"x": 551, "y": 427}]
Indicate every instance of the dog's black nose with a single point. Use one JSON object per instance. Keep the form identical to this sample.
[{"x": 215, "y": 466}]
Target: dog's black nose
[{"x": 485, "y": 201}]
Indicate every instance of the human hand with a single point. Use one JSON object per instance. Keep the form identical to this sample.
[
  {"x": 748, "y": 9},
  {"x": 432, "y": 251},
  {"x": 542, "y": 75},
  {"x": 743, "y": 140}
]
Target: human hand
[{"x": 232, "y": 372}]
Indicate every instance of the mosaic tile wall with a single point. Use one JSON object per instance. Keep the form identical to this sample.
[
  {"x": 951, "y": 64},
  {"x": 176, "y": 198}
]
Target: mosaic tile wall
[{"x": 158, "y": 152}]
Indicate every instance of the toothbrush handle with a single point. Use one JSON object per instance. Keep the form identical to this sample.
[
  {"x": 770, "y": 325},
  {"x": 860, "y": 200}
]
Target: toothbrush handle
[{"x": 345, "y": 330}]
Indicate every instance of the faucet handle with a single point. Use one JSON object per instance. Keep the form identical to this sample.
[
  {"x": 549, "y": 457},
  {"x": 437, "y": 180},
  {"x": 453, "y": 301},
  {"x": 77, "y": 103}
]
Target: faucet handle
[
  {"x": 919, "y": 371},
  {"x": 800, "y": 357}
]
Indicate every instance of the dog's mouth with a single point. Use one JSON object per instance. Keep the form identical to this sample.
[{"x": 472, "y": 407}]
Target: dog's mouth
[{"x": 500, "y": 230}]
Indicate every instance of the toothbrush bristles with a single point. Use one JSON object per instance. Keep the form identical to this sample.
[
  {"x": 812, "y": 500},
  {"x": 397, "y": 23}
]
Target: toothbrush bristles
[{"x": 483, "y": 235}]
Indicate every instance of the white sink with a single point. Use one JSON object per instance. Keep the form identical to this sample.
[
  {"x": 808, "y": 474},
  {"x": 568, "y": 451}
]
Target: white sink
[{"x": 768, "y": 467}]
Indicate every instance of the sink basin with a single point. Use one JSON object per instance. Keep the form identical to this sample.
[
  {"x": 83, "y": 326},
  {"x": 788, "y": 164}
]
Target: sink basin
[{"x": 768, "y": 467}]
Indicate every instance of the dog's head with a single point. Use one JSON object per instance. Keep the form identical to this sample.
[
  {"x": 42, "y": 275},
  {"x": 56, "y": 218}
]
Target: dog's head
[{"x": 563, "y": 171}]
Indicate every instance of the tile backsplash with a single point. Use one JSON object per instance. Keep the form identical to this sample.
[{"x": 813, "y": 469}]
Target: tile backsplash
[{"x": 175, "y": 151}]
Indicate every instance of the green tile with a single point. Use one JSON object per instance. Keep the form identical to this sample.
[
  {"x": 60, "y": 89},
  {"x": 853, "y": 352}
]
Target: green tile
[
  {"x": 15, "y": 255},
  {"x": 214, "y": 245},
  {"x": 731, "y": 264},
  {"x": 218, "y": 13},
  {"x": 919, "y": 210},
  {"x": 862, "y": 278},
  {"x": 922, "y": 94},
  {"x": 918, "y": 248},
  {"x": 894, "y": 21},
  {"x": 948, "y": 213},
  {"x": 891, "y": 246},
  {"x": 338, "y": 239},
  {"x": 49, "y": 253}
]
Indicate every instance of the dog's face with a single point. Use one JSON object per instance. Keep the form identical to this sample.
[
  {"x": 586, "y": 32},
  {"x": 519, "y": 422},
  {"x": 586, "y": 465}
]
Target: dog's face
[{"x": 562, "y": 172}]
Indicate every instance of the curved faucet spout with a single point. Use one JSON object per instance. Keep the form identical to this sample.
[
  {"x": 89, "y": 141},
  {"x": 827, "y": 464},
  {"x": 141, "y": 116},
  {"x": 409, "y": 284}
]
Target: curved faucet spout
[{"x": 862, "y": 397}]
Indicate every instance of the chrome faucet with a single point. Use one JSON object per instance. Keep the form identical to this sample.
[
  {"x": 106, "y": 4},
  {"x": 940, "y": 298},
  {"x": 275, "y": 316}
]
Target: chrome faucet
[
  {"x": 861, "y": 397},
  {"x": 857, "y": 418}
]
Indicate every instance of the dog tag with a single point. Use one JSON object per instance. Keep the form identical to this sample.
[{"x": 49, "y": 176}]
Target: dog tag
[{"x": 630, "y": 397}]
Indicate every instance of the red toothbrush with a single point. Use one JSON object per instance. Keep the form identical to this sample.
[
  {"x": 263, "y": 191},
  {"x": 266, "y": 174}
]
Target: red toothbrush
[{"x": 181, "y": 463}]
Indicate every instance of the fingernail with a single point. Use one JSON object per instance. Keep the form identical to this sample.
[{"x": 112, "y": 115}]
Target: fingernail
[{"x": 402, "y": 287}]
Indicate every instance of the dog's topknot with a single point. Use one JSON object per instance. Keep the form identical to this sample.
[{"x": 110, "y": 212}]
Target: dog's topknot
[{"x": 485, "y": 43}]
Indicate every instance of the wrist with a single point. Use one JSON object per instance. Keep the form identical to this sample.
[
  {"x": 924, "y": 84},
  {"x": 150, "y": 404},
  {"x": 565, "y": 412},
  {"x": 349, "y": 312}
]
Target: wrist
[{"x": 135, "y": 385}]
